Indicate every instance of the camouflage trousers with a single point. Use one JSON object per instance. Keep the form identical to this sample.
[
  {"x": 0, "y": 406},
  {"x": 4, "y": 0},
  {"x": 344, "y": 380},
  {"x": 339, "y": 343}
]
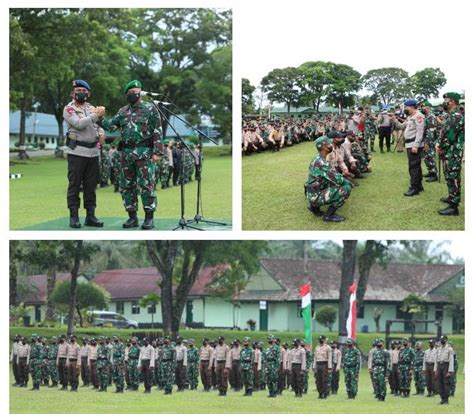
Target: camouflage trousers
[
  {"x": 132, "y": 367},
  {"x": 247, "y": 377},
  {"x": 452, "y": 383},
  {"x": 272, "y": 378},
  {"x": 452, "y": 164},
  {"x": 333, "y": 381},
  {"x": 405, "y": 378},
  {"x": 351, "y": 378},
  {"x": 168, "y": 375},
  {"x": 44, "y": 371},
  {"x": 380, "y": 383},
  {"x": 419, "y": 379},
  {"x": 192, "y": 374},
  {"x": 137, "y": 176},
  {"x": 103, "y": 373},
  {"x": 53, "y": 371},
  {"x": 115, "y": 177},
  {"x": 164, "y": 174},
  {"x": 36, "y": 371},
  {"x": 305, "y": 381},
  {"x": 119, "y": 376},
  {"x": 430, "y": 159},
  {"x": 332, "y": 196}
]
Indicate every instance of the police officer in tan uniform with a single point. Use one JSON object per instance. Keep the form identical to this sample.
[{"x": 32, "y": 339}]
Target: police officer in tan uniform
[
  {"x": 444, "y": 368},
  {"x": 322, "y": 365},
  {"x": 83, "y": 153}
]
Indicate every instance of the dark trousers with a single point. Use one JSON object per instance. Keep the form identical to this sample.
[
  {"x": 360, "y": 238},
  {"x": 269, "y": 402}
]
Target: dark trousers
[
  {"x": 176, "y": 172},
  {"x": 147, "y": 377},
  {"x": 15, "y": 370},
  {"x": 322, "y": 377},
  {"x": 73, "y": 374},
  {"x": 221, "y": 375},
  {"x": 443, "y": 380},
  {"x": 85, "y": 371},
  {"x": 414, "y": 169},
  {"x": 430, "y": 378},
  {"x": 205, "y": 375},
  {"x": 23, "y": 371},
  {"x": 93, "y": 373},
  {"x": 395, "y": 379},
  {"x": 297, "y": 382},
  {"x": 384, "y": 135},
  {"x": 82, "y": 171},
  {"x": 62, "y": 372},
  {"x": 256, "y": 376},
  {"x": 235, "y": 375},
  {"x": 180, "y": 375}
]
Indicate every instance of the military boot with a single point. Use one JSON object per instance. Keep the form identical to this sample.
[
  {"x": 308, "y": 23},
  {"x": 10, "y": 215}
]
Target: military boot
[
  {"x": 92, "y": 220},
  {"x": 132, "y": 220},
  {"x": 444, "y": 200},
  {"x": 452, "y": 210},
  {"x": 315, "y": 210},
  {"x": 148, "y": 223},
  {"x": 74, "y": 222},
  {"x": 432, "y": 178},
  {"x": 331, "y": 216}
]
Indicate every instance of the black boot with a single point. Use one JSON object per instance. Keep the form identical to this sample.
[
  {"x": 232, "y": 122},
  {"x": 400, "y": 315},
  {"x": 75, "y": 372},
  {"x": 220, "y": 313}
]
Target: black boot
[
  {"x": 132, "y": 220},
  {"x": 444, "y": 200},
  {"x": 432, "y": 178},
  {"x": 74, "y": 222},
  {"x": 315, "y": 210},
  {"x": 452, "y": 210},
  {"x": 411, "y": 192},
  {"x": 92, "y": 220},
  {"x": 148, "y": 223},
  {"x": 330, "y": 216}
]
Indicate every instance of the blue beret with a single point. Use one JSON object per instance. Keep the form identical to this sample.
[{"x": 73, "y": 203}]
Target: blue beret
[
  {"x": 410, "y": 102},
  {"x": 81, "y": 84}
]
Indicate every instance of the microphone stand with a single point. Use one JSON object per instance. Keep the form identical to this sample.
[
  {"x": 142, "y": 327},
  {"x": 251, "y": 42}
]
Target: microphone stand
[
  {"x": 198, "y": 218},
  {"x": 182, "y": 223}
]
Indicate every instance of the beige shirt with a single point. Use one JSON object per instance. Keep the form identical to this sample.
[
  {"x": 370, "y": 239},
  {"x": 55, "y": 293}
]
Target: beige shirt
[
  {"x": 182, "y": 354},
  {"x": 322, "y": 353},
  {"x": 205, "y": 353},
  {"x": 74, "y": 352},
  {"x": 429, "y": 357},
  {"x": 394, "y": 356},
  {"x": 445, "y": 354},
  {"x": 84, "y": 351},
  {"x": 336, "y": 359},
  {"x": 24, "y": 352},
  {"x": 14, "y": 353},
  {"x": 62, "y": 351},
  {"x": 91, "y": 353},
  {"x": 222, "y": 353},
  {"x": 298, "y": 356},
  {"x": 284, "y": 357},
  {"x": 336, "y": 159},
  {"x": 147, "y": 353},
  {"x": 257, "y": 358},
  {"x": 414, "y": 129},
  {"x": 235, "y": 353}
]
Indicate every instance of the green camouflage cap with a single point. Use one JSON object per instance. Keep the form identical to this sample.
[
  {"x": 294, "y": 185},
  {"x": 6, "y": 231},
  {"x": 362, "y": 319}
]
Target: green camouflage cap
[
  {"x": 321, "y": 141},
  {"x": 132, "y": 84},
  {"x": 349, "y": 341},
  {"x": 427, "y": 103},
  {"x": 453, "y": 95},
  {"x": 417, "y": 343}
]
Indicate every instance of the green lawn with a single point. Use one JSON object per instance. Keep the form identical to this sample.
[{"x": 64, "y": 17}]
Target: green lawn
[
  {"x": 273, "y": 196},
  {"x": 40, "y": 195},
  {"x": 86, "y": 401}
]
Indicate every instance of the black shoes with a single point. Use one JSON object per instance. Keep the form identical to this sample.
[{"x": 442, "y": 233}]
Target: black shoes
[
  {"x": 132, "y": 220},
  {"x": 444, "y": 200},
  {"x": 315, "y": 210},
  {"x": 432, "y": 179},
  {"x": 148, "y": 223},
  {"x": 92, "y": 220},
  {"x": 412, "y": 192},
  {"x": 331, "y": 216},
  {"x": 74, "y": 222},
  {"x": 452, "y": 210}
]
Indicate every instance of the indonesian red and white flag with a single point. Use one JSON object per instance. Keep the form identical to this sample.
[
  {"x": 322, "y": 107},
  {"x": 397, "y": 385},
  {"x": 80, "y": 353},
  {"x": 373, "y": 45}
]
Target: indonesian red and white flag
[
  {"x": 351, "y": 324},
  {"x": 305, "y": 294}
]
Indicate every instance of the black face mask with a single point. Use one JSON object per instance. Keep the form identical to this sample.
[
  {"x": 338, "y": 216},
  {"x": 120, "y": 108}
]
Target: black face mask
[
  {"x": 321, "y": 341},
  {"x": 406, "y": 112},
  {"x": 81, "y": 97},
  {"x": 443, "y": 342},
  {"x": 133, "y": 97},
  {"x": 445, "y": 106},
  {"x": 379, "y": 346},
  {"x": 330, "y": 149}
]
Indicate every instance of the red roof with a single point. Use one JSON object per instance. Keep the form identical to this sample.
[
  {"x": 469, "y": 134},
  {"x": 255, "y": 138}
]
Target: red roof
[{"x": 37, "y": 289}]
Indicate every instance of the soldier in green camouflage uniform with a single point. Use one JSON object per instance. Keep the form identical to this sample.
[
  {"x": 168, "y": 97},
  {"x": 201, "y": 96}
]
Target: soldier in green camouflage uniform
[
  {"x": 263, "y": 372},
  {"x": 358, "y": 153},
  {"x": 380, "y": 370},
  {"x": 325, "y": 185},
  {"x": 418, "y": 375},
  {"x": 406, "y": 358},
  {"x": 453, "y": 379},
  {"x": 44, "y": 362},
  {"x": 118, "y": 356},
  {"x": 132, "y": 364},
  {"x": 246, "y": 365},
  {"x": 164, "y": 167},
  {"x": 272, "y": 363},
  {"x": 115, "y": 169},
  {"x": 369, "y": 132},
  {"x": 52, "y": 368},
  {"x": 309, "y": 363},
  {"x": 104, "y": 167},
  {"x": 103, "y": 363},
  {"x": 451, "y": 147},
  {"x": 351, "y": 366},
  {"x": 429, "y": 139},
  {"x": 168, "y": 363},
  {"x": 188, "y": 167},
  {"x": 140, "y": 145},
  {"x": 36, "y": 362},
  {"x": 192, "y": 369}
]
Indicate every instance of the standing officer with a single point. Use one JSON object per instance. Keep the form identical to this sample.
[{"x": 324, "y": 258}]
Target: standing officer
[
  {"x": 418, "y": 374},
  {"x": 83, "y": 154},
  {"x": 73, "y": 362},
  {"x": 181, "y": 363},
  {"x": 85, "y": 375},
  {"x": 430, "y": 141},
  {"x": 103, "y": 363},
  {"x": 235, "y": 378},
  {"x": 414, "y": 128},
  {"x": 322, "y": 365},
  {"x": 35, "y": 361},
  {"x": 168, "y": 362},
  {"x": 132, "y": 364},
  {"x": 14, "y": 359},
  {"x": 246, "y": 364},
  {"x": 192, "y": 371},
  {"x": 52, "y": 355},
  {"x": 406, "y": 359},
  {"x": 140, "y": 133},
  {"x": 118, "y": 361},
  {"x": 336, "y": 357},
  {"x": 61, "y": 362},
  {"x": 444, "y": 369},
  {"x": 380, "y": 370},
  {"x": 147, "y": 364},
  {"x": 351, "y": 366},
  {"x": 298, "y": 367},
  {"x": 222, "y": 364},
  {"x": 272, "y": 361},
  {"x": 451, "y": 148},
  {"x": 429, "y": 360},
  {"x": 204, "y": 364}
]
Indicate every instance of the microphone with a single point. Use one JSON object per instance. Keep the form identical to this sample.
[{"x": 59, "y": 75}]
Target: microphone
[
  {"x": 145, "y": 93},
  {"x": 162, "y": 103}
]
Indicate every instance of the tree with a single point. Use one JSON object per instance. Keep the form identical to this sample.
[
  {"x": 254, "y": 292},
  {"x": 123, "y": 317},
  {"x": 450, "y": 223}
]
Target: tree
[
  {"x": 414, "y": 304},
  {"x": 281, "y": 85},
  {"x": 326, "y": 316},
  {"x": 180, "y": 262},
  {"x": 420, "y": 251},
  {"x": 315, "y": 78},
  {"x": 427, "y": 82},
  {"x": 15, "y": 256},
  {"x": 348, "y": 264},
  {"x": 248, "y": 104},
  {"x": 456, "y": 308},
  {"x": 388, "y": 84},
  {"x": 88, "y": 295},
  {"x": 345, "y": 82},
  {"x": 378, "y": 312},
  {"x": 150, "y": 299}
]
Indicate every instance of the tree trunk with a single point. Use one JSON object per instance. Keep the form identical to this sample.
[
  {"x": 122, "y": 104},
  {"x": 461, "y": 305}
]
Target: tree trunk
[
  {"x": 152, "y": 321},
  {"x": 50, "y": 284},
  {"x": 13, "y": 271},
  {"x": 80, "y": 315},
  {"x": 72, "y": 290},
  {"x": 347, "y": 277},
  {"x": 288, "y": 105},
  {"x": 22, "y": 138}
]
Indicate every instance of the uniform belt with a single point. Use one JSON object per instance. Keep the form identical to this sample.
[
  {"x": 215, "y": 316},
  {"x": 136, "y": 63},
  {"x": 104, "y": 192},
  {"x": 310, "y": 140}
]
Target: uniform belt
[
  {"x": 72, "y": 359},
  {"x": 296, "y": 363},
  {"x": 220, "y": 360},
  {"x": 429, "y": 363},
  {"x": 408, "y": 141},
  {"x": 22, "y": 357},
  {"x": 166, "y": 360},
  {"x": 86, "y": 144},
  {"x": 62, "y": 357},
  {"x": 321, "y": 362},
  {"x": 204, "y": 360},
  {"x": 142, "y": 144}
]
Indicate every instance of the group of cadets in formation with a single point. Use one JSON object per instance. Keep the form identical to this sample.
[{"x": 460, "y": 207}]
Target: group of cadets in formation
[
  {"x": 248, "y": 366},
  {"x": 168, "y": 171},
  {"x": 345, "y": 145}
]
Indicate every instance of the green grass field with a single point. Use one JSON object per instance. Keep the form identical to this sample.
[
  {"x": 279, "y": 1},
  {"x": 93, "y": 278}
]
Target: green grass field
[
  {"x": 86, "y": 401},
  {"x": 40, "y": 195},
  {"x": 273, "y": 196}
]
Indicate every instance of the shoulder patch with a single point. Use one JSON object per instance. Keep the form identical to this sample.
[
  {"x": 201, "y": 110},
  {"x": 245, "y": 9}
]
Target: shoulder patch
[
  {"x": 419, "y": 118},
  {"x": 70, "y": 110}
]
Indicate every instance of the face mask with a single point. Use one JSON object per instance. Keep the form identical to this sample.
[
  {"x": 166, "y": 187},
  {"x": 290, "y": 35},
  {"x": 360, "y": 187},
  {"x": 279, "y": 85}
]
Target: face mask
[
  {"x": 330, "y": 149},
  {"x": 221, "y": 342},
  {"x": 406, "y": 112},
  {"x": 445, "y": 106},
  {"x": 321, "y": 341},
  {"x": 379, "y": 346},
  {"x": 443, "y": 342},
  {"x": 81, "y": 97},
  {"x": 116, "y": 341},
  {"x": 133, "y": 97}
]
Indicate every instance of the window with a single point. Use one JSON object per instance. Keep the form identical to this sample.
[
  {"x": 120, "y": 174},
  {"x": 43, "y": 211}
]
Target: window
[
  {"x": 135, "y": 307},
  {"x": 439, "y": 312},
  {"x": 152, "y": 309},
  {"x": 119, "y": 307},
  {"x": 37, "y": 313},
  {"x": 360, "y": 312}
]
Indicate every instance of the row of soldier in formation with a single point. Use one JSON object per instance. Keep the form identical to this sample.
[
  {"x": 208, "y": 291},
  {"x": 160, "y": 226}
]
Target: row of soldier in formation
[
  {"x": 330, "y": 171},
  {"x": 248, "y": 365},
  {"x": 176, "y": 165}
]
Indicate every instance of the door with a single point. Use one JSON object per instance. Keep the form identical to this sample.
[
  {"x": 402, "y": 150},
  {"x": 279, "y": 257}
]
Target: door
[
  {"x": 264, "y": 319},
  {"x": 189, "y": 312}
]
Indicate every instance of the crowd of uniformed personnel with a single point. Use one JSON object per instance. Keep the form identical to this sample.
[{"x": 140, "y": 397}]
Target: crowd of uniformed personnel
[
  {"x": 345, "y": 144},
  {"x": 249, "y": 366}
]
